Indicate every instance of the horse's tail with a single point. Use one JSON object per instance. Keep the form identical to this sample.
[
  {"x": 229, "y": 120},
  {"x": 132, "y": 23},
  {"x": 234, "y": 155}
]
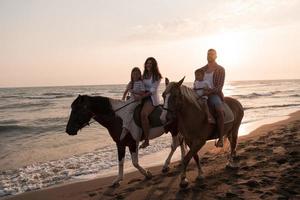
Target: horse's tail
[{"x": 238, "y": 112}]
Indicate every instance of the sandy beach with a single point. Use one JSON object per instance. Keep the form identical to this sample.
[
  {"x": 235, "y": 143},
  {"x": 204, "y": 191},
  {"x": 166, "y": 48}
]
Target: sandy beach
[{"x": 269, "y": 168}]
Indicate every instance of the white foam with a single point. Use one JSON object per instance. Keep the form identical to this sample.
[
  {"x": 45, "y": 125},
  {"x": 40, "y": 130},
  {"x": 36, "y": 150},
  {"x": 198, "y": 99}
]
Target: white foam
[{"x": 88, "y": 165}]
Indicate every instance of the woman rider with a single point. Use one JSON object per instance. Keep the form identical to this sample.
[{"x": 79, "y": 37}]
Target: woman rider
[{"x": 151, "y": 79}]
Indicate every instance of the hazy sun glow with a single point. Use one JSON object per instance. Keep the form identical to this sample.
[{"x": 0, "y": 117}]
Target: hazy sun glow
[{"x": 229, "y": 45}]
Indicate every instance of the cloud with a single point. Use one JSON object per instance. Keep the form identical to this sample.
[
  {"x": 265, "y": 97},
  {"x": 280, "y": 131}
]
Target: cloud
[
  {"x": 234, "y": 16},
  {"x": 174, "y": 29}
]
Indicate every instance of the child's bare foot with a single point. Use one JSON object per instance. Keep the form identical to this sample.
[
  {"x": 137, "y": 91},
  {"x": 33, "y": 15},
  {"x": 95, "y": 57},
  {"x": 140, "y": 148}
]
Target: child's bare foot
[
  {"x": 144, "y": 145},
  {"x": 211, "y": 120}
]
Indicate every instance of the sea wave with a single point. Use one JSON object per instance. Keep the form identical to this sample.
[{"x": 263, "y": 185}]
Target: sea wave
[
  {"x": 50, "y": 97},
  {"x": 33, "y": 128},
  {"x": 271, "y": 106},
  {"x": 294, "y": 95},
  {"x": 256, "y": 95},
  {"x": 41, "y": 175},
  {"x": 25, "y": 105},
  {"x": 11, "y": 121},
  {"x": 12, "y": 128},
  {"x": 9, "y": 96},
  {"x": 42, "y": 96},
  {"x": 53, "y": 93}
]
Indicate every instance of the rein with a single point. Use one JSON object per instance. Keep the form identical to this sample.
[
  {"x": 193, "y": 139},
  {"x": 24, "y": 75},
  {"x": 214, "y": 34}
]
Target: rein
[
  {"x": 94, "y": 115},
  {"x": 200, "y": 88},
  {"x": 89, "y": 123},
  {"x": 125, "y": 106}
]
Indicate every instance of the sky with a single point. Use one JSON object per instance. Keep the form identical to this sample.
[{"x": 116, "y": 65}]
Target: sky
[{"x": 93, "y": 42}]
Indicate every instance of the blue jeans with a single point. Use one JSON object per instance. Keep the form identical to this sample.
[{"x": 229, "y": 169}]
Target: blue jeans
[{"x": 214, "y": 101}]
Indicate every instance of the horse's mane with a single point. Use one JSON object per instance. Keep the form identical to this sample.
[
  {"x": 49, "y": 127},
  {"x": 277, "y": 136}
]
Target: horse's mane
[
  {"x": 99, "y": 104},
  {"x": 190, "y": 95}
]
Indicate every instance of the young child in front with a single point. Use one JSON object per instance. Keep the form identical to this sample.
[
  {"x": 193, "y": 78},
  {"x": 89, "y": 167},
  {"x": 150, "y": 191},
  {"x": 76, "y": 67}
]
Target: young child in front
[
  {"x": 199, "y": 86},
  {"x": 136, "y": 89}
]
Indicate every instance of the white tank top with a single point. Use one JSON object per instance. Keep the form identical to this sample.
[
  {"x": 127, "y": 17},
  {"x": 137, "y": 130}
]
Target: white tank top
[
  {"x": 148, "y": 84},
  {"x": 209, "y": 77}
]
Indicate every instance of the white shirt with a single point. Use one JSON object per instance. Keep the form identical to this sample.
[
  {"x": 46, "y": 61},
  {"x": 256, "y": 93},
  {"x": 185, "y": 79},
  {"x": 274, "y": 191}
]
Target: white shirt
[
  {"x": 209, "y": 77},
  {"x": 138, "y": 86},
  {"x": 153, "y": 88}
]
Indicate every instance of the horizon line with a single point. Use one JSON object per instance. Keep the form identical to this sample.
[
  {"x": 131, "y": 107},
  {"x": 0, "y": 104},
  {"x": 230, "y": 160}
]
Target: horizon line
[{"x": 106, "y": 84}]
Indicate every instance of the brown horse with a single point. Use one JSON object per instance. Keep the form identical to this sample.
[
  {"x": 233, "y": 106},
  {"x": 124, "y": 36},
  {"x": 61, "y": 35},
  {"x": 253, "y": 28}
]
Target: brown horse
[{"x": 181, "y": 102}]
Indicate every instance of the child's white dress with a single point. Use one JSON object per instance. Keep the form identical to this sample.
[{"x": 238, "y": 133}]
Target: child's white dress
[
  {"x": 199, "y": 87},
  {"x": 127, "y": 115}
]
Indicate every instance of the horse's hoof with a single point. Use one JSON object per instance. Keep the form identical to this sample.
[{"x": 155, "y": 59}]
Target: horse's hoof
[
  {"x": 165, "y": 170},
  {"x": 184, "y": 183},
  {"x": 148, "y": 175},
  {"x": 232, "y": 165},
  {"x": 115, "y": 185},
  {"x": 178, "y": 166},
  {"x": 200, "y": 179}
]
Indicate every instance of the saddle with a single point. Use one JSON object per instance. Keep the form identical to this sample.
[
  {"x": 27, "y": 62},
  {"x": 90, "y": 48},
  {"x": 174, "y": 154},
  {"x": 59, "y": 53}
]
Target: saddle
[
  {"x": 228, "y": 114},
  {"x": 154, "y": 117},
  {"x": 228, "y": 117}
]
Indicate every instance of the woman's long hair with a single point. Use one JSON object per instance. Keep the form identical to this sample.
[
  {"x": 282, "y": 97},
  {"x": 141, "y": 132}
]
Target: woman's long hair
[{"x": 155, "y": 71}]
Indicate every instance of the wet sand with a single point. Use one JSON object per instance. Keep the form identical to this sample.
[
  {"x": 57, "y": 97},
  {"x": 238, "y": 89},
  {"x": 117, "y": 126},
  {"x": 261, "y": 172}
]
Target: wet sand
[{"x": 269, "y": 168}]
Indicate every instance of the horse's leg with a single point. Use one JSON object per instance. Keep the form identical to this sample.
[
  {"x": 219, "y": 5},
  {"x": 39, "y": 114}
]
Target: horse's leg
[
  {"x": 182, "y": 148},
  {"x": 200, "y": 172},
  {"x": 174, "y": 145},
  {"x": 233, "y": 141},
  {"x": 121, "y": 155},
  {"x": 135, "y": 160},
  {"x": 193, "y": 150}
]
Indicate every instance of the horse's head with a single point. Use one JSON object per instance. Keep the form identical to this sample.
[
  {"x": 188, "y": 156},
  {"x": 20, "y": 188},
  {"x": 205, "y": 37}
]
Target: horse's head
[
  {"x": 80, "y": 116},
  {"x": 172, "y": 100}
]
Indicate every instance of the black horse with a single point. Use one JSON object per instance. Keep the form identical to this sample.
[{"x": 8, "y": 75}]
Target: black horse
[{"x": 105, "y": 111}]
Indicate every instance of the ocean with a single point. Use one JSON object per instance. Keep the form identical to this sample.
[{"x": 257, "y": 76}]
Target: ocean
[{"x": 35, "y": 151}]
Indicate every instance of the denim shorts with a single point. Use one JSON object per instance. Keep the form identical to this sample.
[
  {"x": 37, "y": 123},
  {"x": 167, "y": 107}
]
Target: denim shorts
[
  {"x": 147, "y": 99},
  {"x": 214, "y": 101}
]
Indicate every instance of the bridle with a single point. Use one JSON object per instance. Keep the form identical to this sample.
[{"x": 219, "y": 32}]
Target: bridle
[
  {"x": 172, "y": 112},
  {"x": 92, "y": 117}
]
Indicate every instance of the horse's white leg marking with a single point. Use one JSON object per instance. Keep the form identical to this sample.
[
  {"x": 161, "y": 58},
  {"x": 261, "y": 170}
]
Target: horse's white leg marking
[
  {"x": 135, "y": 162},
  {"x": 163, "y": 116},
  {"x": 121, "y": 173},
  {"x": 123, "y": 134},
  {"x": 174, "y": 145}
]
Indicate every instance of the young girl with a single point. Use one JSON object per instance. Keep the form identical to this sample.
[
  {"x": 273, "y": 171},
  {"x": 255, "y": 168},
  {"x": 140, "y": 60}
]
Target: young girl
[
  {"x": 199, "y": 86},
  {"x": 136, "y": 89}
]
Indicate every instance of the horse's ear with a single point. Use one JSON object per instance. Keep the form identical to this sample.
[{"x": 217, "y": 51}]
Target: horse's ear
[
  {"x": 79, "y": 98},
  {"x": 167, "y": 81},
  {"x": 181, "y": 81}
]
